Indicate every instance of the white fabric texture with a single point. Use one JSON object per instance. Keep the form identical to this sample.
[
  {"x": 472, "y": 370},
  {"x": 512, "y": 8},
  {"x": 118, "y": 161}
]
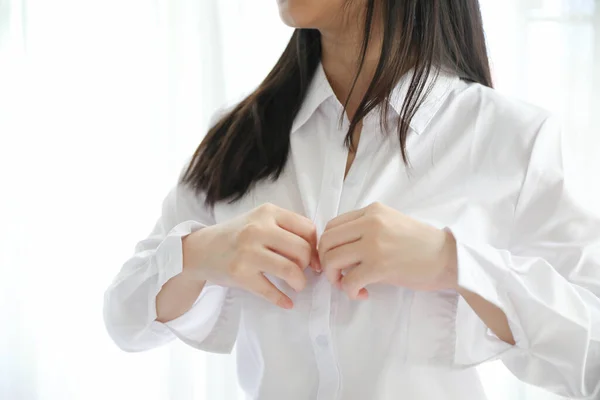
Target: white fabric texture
[
  {"x": 494, "y": 177},
  {"x": 100, "y": 105}
]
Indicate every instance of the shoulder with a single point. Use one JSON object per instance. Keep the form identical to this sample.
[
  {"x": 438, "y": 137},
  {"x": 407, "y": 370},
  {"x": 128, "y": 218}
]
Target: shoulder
[
  {"x": 500, "y": 126},
  {"x": 489, "y": 105}
]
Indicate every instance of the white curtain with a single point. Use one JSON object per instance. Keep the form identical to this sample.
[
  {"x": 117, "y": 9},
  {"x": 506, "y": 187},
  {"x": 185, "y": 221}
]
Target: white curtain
[{"x": 100, "y": 104}]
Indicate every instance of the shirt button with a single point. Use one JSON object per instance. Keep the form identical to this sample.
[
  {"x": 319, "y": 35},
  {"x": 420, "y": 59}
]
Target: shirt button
[{"x": 322, "y": 341}]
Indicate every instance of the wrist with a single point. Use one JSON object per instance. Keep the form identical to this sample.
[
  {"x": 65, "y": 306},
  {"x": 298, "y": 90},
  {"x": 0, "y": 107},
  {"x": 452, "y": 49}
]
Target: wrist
[
  {"x": 449, "y": 261},
  {"x": 192, "y": 246}
]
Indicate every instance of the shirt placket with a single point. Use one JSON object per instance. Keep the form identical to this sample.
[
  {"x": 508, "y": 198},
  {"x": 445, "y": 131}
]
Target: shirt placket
[
  {"x": 353, "y": 185},
  {"x": 323, "y": 299}
]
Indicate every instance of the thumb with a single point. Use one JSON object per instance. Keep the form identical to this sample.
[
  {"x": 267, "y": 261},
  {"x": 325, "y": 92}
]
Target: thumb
[
  {"x": 355, "y": 280},
  {"x": 315, "y": 261}
]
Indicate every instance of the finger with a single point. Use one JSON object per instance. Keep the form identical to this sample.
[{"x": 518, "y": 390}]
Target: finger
[
  {"x": 289, "y": 245},
  {"x": 303, "y": 227},
  {"x": 281, "y": 267},
  {"x": 336, "y": 276},
  {"x": 340, "y": 235},
  {"x": 339, "y": 259},
  {"x": 295, "y": 223},
  {"x": 315, "y": 260},
  {"x": 262, "y": 287},
  {"x": 357, "y": 278},
  {"x": 345, "y": 218}
]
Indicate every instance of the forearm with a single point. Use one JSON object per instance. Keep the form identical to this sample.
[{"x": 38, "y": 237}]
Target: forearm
[
  {"x": 178, "y": 295},
  {"x": 492, "y": 316}
]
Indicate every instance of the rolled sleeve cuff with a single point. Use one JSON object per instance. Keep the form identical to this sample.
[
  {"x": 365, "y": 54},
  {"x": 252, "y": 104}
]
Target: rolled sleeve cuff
[
  {"x": 484, "y": 271},
  {"x": 210, "y": 324},
  {"x": 170, "y": 254}
]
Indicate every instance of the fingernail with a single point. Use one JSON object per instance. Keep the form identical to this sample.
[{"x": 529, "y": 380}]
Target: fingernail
[
  {"x": 317, "y": 265},
  {"x": 287, "y": 304},
  {"x": 363, "y": 294}
]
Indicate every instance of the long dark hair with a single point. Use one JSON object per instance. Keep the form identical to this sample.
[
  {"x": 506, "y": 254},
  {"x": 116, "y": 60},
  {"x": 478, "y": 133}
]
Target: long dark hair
[{"x": 252, "y": 141}]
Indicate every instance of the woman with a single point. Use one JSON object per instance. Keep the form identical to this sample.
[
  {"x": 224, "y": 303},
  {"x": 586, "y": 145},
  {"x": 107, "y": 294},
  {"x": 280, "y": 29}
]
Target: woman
[{"x": 373, "y": 222}]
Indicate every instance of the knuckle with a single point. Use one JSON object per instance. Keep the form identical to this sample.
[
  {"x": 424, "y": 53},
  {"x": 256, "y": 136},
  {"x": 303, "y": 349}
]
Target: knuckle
[
  {"x": 294, "y": 271},
  {"x": 375, "y": 207},
  {"x": 378, "y": 219},
  {"x": 350, "y": 281},
  {"x": 244, "y": 253},
  {"x": 301, "y": 283},
  {"x": 266, "y": 209},
  {"x": 333, "y": 277},
  {"x": 305, "y": 255},
  {"x": 347, "y": 283},
  {"x": 249, "y": 233},
  {"x": 240, "y": 264},
  {"x": 288, "y": 272},
  {"x": 305, "y": 260},
  {"x": 236, "y": 268}
]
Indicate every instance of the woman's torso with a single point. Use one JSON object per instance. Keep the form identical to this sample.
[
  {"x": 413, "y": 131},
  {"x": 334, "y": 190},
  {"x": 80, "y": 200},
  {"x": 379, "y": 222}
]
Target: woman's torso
[{"x": 467, "y": 161}]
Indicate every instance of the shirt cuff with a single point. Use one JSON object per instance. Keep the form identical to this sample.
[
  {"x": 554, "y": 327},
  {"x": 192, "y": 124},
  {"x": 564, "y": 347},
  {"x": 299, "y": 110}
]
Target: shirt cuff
[
  {"x": 211, "y": 323},
  {"x": 170, "y": 254},
  {"x": 483, "y": 270}
]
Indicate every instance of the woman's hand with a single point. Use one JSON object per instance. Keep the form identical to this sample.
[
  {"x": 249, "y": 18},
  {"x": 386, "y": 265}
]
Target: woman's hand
[
  {"x": 239, "y": 252},
  {"x": 378, "y": 244}
]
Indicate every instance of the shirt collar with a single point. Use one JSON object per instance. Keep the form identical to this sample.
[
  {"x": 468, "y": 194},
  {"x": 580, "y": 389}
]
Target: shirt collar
[
  {"x": 319, "y": 90},
  {"x": 441, "y": 80},
  {"x": 438, "y": 86}
]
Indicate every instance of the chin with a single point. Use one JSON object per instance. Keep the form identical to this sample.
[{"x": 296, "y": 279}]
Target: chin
[{"x": 309, "y": 14}]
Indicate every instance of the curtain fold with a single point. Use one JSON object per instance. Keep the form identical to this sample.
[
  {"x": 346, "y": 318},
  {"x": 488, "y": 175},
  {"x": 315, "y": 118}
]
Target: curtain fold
[{"x": 100, "y": 105}]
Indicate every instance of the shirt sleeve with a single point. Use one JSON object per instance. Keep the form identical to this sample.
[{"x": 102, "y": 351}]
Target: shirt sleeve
[
  {"x": 130, "y": 301},
  {"x": 547, "y": 283}
]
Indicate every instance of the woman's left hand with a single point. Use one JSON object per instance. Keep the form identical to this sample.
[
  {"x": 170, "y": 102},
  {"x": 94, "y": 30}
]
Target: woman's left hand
[{"x": 378, "y": 244}]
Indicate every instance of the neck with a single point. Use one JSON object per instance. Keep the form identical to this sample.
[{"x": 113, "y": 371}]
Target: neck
[{"x": 340, "y": 56}]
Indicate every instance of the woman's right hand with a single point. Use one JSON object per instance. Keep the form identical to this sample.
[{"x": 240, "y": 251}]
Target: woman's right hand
[{"x": 266, "y": 240}]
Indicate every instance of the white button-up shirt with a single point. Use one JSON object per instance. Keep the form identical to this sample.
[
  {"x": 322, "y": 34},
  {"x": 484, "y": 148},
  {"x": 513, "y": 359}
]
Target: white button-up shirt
[{"x": 485, "y": 166}]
